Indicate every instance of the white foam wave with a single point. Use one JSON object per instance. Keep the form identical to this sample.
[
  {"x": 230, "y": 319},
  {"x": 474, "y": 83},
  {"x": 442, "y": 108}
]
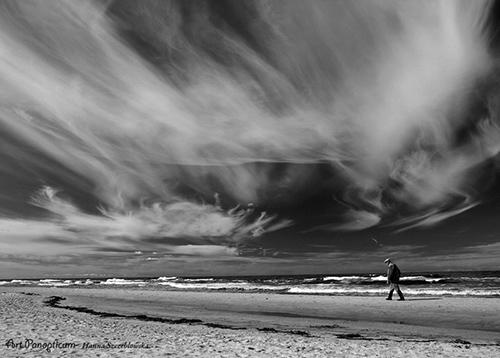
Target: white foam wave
[
  {"x": 421, "y": 278},
  {"x": 23, "y": 282},
  {"x": 85, "y": 283},
  {"x": 55, "y": 284},
  {"x": 166, "y": 278},
  {"x": 383, "y": 291},
  {"x": 223, "y": 286},
  {"x": 380, "y": 278},
  {"x": 120, "y": 281},
  {"x": 342, "y": 278},
  {"x": 199, "y": 279}
]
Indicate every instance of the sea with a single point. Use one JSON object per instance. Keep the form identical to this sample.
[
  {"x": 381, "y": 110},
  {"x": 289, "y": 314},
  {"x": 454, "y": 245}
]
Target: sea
[{"x": 477, "y": 283}]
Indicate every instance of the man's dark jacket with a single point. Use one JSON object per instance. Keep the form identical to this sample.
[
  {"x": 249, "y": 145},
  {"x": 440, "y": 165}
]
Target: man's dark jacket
[{"x": 393, "y": 273}]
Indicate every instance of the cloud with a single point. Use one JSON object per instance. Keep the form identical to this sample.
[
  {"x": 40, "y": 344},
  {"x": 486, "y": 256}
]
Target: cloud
[
  {"x": 354, "y": 220},
  {"x": 430, "y": 218},
  {"x": 202, "y": 223},
  {"x": 379, "y": 101},
  {"x": 203, "y": 250}
]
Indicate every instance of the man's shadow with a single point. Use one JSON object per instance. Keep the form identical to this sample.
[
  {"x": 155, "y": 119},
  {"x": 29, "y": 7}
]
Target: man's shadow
[{"x": 423, "y": 299}]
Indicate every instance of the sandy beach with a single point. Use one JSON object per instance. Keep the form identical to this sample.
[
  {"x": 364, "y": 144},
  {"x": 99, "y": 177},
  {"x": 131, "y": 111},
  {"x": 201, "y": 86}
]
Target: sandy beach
[{"x": 116, "y": 322}]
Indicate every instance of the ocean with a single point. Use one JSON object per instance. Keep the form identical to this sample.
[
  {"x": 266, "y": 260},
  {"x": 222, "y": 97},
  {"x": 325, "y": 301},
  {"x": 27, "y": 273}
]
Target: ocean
[{"x": 476, "y": 283}]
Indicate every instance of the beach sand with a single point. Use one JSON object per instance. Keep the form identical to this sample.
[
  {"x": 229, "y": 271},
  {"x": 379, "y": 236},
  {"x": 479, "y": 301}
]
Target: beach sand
[{"x": 235, "y": 324}]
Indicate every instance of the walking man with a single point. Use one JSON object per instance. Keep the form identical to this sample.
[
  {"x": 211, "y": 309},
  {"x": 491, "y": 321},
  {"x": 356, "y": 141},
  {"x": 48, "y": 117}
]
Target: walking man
[{"x": 393, "y": 274}]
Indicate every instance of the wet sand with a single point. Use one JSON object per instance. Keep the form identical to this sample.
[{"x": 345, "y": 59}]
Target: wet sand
[{"x": 235, "y": 324}]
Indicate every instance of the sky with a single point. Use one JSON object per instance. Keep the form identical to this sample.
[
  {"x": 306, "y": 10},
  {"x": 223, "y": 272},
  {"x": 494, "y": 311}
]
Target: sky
[{"x": 159, "y": 138}]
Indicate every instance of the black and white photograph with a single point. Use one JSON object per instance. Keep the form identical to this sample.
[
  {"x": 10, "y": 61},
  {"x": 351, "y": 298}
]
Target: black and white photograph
[{"x": 250, "y": 178}]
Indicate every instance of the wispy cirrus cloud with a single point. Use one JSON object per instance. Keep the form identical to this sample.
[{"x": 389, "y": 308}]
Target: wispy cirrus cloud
[
  {"x": 84, "y": 96},
  {"x": 201, "y": 223},
  {"x": 132, "y": 100}
]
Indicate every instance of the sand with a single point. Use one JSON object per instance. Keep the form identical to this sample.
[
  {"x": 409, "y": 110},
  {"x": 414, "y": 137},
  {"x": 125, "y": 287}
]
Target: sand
[{"x": 228, "y": 324}]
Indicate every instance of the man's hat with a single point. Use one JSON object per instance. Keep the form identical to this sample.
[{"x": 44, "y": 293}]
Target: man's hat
[{"x": 387, "y": 260}]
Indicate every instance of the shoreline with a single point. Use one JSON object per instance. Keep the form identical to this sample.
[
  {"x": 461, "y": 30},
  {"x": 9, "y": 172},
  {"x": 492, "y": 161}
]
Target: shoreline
[
  {"x": 457, "y": 325},
  {"x": 461, "y": 313}
]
